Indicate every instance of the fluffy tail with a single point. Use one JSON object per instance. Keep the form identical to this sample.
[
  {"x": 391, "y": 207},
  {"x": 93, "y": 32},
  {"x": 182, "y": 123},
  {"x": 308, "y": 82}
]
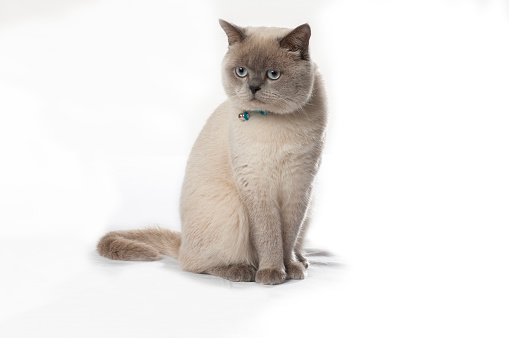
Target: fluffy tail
[{"x": 140, "y": 245}]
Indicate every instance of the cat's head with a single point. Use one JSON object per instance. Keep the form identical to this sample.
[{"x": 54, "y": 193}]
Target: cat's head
[{"x": 268, "y": 68}]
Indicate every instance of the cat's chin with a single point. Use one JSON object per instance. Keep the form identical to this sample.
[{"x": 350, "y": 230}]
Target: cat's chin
[
  {"x": 255, "y": 101},
  {"x": 257, "y": 104}
]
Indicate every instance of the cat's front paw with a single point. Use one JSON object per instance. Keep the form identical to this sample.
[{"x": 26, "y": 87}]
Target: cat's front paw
[
  {"x": 270, "y": 276},
  {"x": 295, "y": 270}
]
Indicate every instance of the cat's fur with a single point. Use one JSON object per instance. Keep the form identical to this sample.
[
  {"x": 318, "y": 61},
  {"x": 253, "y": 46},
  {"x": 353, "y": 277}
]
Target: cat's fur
[{"x": 248, "y": 184}]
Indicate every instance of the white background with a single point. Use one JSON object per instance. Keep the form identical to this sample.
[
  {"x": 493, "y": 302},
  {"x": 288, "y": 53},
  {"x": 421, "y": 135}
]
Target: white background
[{"x": 100, "y": 103}]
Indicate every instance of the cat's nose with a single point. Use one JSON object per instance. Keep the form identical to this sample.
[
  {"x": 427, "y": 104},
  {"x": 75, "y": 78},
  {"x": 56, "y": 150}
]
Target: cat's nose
[{"x": 254, "y": 89}]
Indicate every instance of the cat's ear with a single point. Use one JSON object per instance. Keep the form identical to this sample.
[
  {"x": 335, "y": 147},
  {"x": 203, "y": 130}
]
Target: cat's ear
[
  {"x": 298, "y": 41},
  {"x": 234, "y": 33}
]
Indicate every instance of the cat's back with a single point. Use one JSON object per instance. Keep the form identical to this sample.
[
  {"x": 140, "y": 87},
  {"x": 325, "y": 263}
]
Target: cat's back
[
  {"x": 211, "y": 135},
  {"x": 210, "y": 150}
]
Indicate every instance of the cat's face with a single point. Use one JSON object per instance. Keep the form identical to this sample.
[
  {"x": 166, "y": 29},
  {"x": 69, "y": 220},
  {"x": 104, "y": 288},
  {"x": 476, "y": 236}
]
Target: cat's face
[{"x": 268, "y": 68}]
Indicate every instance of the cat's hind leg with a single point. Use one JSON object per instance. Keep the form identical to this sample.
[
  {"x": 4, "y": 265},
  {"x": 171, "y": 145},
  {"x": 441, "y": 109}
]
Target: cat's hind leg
[
  {"x": 301, "y": 258},
  {"x": 234, "y": 272}
]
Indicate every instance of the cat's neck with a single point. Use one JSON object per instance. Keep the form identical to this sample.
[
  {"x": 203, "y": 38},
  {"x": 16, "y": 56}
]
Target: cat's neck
[{"x": 247, "y": 114}]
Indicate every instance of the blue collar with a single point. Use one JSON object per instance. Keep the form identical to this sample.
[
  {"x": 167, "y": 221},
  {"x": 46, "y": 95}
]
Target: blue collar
[{"x": 245, "y": 115}]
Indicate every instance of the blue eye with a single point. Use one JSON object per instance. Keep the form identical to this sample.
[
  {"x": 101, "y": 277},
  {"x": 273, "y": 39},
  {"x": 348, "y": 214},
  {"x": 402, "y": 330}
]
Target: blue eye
[
  {"x": 273, "y": 74},
  {"x": 241, "y": 71}
]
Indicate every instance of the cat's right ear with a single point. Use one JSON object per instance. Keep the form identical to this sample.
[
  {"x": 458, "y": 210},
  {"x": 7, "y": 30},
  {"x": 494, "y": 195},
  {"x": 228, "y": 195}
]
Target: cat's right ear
[{"x": 234, "y": 33}]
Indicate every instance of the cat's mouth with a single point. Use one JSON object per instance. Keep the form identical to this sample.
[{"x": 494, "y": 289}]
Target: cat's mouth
[{"x": 255, "y": 100}]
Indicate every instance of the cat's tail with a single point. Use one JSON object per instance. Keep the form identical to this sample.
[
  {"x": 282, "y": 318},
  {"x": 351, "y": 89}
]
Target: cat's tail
[{"x": 140, "y": 245}]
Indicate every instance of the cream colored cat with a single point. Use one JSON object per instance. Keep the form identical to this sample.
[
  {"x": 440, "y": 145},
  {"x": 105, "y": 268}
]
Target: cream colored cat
[{"x": 249, "y": 179}]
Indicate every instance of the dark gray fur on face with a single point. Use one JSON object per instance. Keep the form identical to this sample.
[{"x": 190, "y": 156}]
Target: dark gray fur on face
[{"x": 259, "y": 51}]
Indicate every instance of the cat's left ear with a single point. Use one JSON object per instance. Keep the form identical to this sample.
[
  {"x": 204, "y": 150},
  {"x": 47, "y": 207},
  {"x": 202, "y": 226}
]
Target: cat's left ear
[
  {"x": 234, "y": 33},
  {"x": 298, "y": 40}
]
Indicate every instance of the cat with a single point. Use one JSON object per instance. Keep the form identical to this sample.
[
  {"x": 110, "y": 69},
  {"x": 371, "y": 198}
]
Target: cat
[{"x": 245, "y": 200}]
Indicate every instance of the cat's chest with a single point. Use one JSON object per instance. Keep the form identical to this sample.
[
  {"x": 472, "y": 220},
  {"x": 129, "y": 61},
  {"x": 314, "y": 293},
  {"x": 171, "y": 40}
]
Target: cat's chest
[{"x": 269, "y": 143}]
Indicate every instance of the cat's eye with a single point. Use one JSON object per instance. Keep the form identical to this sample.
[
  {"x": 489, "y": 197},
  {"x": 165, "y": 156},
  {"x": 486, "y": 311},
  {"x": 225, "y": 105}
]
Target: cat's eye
[
  {"x": 241, "y": 71},
  {"x": 273, "y": 74}
]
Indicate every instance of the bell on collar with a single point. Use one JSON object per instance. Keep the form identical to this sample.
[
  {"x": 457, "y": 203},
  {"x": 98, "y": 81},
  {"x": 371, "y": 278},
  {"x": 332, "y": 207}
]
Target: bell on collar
[{"x": 244, "y": 116}]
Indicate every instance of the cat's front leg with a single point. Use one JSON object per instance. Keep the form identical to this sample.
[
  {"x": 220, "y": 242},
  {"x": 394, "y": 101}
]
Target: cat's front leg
[
  {"x": 292, "y": 217},
  {"x": 298, "y": 249},
  {"x": 266, "y": 237},
  {"x": 295, "y": 204}
]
